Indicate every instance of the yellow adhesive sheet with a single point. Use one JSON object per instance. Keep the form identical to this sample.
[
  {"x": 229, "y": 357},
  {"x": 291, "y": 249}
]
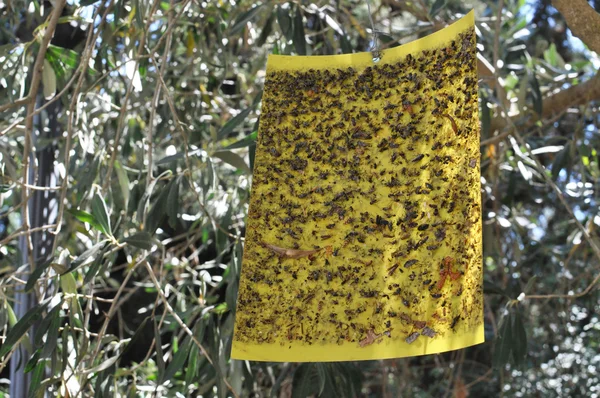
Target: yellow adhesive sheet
[{"x": 364, "y": 227}]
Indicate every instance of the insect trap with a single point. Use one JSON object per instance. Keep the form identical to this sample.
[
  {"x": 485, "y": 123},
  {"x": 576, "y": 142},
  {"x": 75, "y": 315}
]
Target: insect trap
[{"x": 364, "y": 228}]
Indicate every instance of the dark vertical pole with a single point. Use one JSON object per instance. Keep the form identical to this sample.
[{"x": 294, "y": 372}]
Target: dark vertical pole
[{"x": 43, "y": 209}]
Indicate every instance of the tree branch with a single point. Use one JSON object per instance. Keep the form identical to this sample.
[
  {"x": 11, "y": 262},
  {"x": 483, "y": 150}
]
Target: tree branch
[
  {"x": 583, "y": 21},
  {"x": 573, "y": 96},
  {"x": 36, "y": 80},
  {"x": 19, "y": 102}
]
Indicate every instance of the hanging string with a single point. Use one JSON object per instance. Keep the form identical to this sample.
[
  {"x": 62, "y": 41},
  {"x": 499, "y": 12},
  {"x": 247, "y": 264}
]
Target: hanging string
[{"x": 375, "y": 49}]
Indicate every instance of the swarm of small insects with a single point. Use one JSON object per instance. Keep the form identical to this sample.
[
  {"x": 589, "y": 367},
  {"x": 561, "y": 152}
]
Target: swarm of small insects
[{"x": 364, "y": 221}]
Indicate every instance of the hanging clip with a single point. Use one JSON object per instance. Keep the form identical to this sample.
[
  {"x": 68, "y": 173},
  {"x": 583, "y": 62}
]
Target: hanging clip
[{"x": 375, "y": 48}]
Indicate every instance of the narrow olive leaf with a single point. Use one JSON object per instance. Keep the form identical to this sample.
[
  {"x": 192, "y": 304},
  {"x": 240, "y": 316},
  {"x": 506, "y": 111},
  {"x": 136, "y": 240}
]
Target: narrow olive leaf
[
  {"x": 284, "y": 20},
  {"x": 95, "y": 266},
  {"x": 304, "y": 381},
  {"x": 491, "y": 288},
  {"x": 561, "y": 160},
  {"x": 69, "y": 58},
  {"x": 160, "y": 361},
  {"x": 503, "y": 344},
  {"x": 244, "y": 142},
  {"x": 234, "y": 160},
  {"x": 100, "y": 213},
  {"x": 299, "y": 37},
  {"x": 486, "y": 118},
  {"x": 36, "y": 274},
  {"x": 529, "y": 284},
  {"x": 345, "y": 45},
  {"x": 322, "y": 373},
  {"x": 536, "y": 94},
  {"x": 86, "y": 217},
  {"x": 142, "y": 240},
  {"x": 89, "y": 254},
  {"x": 16, "y": 333},
  {"x": 44, "y": 326},
  {"x": 102, "y": 366},
  {"x": 48, "y": 80},
  {"x": 68, "y": 284},
  {"x": 519, "y": 337},
  {"x": 136, "y": 335},
  {"x": 173, "y": 202},
  {"x": 232, "y": 124},
  {"x": 192, "y": 369},
  {"x": 243, "y": 19},
  {"x": 436, "y": 7},
  {"x": 123, "y": 181},
  {"x": 178, "y": 360},
  {"x": 36, "y": 379},
  {"x": 158, "y": 210},
  {"x": 30, "y": 365},
  {"x": 266, "y": 31},
  {"x": 52, "y": 337}
]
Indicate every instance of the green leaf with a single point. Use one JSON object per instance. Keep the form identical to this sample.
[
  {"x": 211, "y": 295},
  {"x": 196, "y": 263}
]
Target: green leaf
[
  {"x": 95, "y": 266},
  {"x": 142, "y": 240},
  {"x": 36, "y": 378},
  {"x": 234, "y": 160},
  {"x": 284, "y": 20},
  {"x": 192, "y": 369},
  {"x": 30, "y": 365},
  {"x": 86, "y": 217},
  {"x": 158, "y": 210},
  {"x": 491, "y": 288},
  {"x": 173, "y": 202},
  {"x": 242, "y": 20},
  {"x": 36, "y": 274},
  {"x": 561, "y": 160},
  {"x": 160, "y": 362},
  {"x": 266, "y": 31},
  {"x": 52, "y": 337},
  {"x": 136, "y": 335},
  {"x": 68, "y": 284},
  {"x": 503, "y": 343},
  {"x": 69, "y": 58},
  {"x": 436, "y": 7},
  {"x": 91, "y": 253},
  {"x": 231, "y": 125},
  {"x": 102, "y": 366},
  {"x": 304, "y": 382},
  {"x": 529, "y": 284},
  {"x": 100, "y": 213},
  {"x": 519, "y": 336},
  {"x": 486, "y": 118},
  {"x": 299, "y": 38},
  {"x": 536, "y": 94},
  {"x": 48, "y": 80},
  {"x": 123, "y": 181},
  {"x": 16, "y": 333},
  {"x": 178, "y": 360}
]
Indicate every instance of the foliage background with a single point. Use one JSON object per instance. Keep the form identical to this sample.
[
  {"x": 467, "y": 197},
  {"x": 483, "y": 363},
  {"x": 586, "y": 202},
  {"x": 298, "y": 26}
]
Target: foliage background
[{"x": 143, "y": 156}]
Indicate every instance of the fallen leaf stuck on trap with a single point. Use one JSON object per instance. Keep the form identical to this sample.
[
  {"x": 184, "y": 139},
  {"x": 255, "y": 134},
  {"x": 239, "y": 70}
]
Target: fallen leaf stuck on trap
[{"x": 291, "y": 253}]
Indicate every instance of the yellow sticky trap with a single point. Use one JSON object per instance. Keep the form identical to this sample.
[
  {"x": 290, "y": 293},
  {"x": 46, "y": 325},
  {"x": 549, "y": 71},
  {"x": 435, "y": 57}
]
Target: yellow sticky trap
[{"x": 364, "y": 229}]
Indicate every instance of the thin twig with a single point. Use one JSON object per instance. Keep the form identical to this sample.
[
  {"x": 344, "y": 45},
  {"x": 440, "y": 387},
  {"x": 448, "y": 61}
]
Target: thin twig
[
  {"x": 36, "y": 80},
  {"x": 19, "y": 102},
  {"x": 92, "y": 38},
  {"x": 121, "y": 120},
  {"x": 183, "y": 325}
]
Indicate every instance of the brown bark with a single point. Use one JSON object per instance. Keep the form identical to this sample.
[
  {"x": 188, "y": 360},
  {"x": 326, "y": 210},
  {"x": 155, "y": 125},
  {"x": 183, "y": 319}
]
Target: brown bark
[{"x": 583, "y": 21}]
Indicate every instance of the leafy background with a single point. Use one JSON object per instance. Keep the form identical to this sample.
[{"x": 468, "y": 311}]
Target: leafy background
[{"x": 140, "y": 118}]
